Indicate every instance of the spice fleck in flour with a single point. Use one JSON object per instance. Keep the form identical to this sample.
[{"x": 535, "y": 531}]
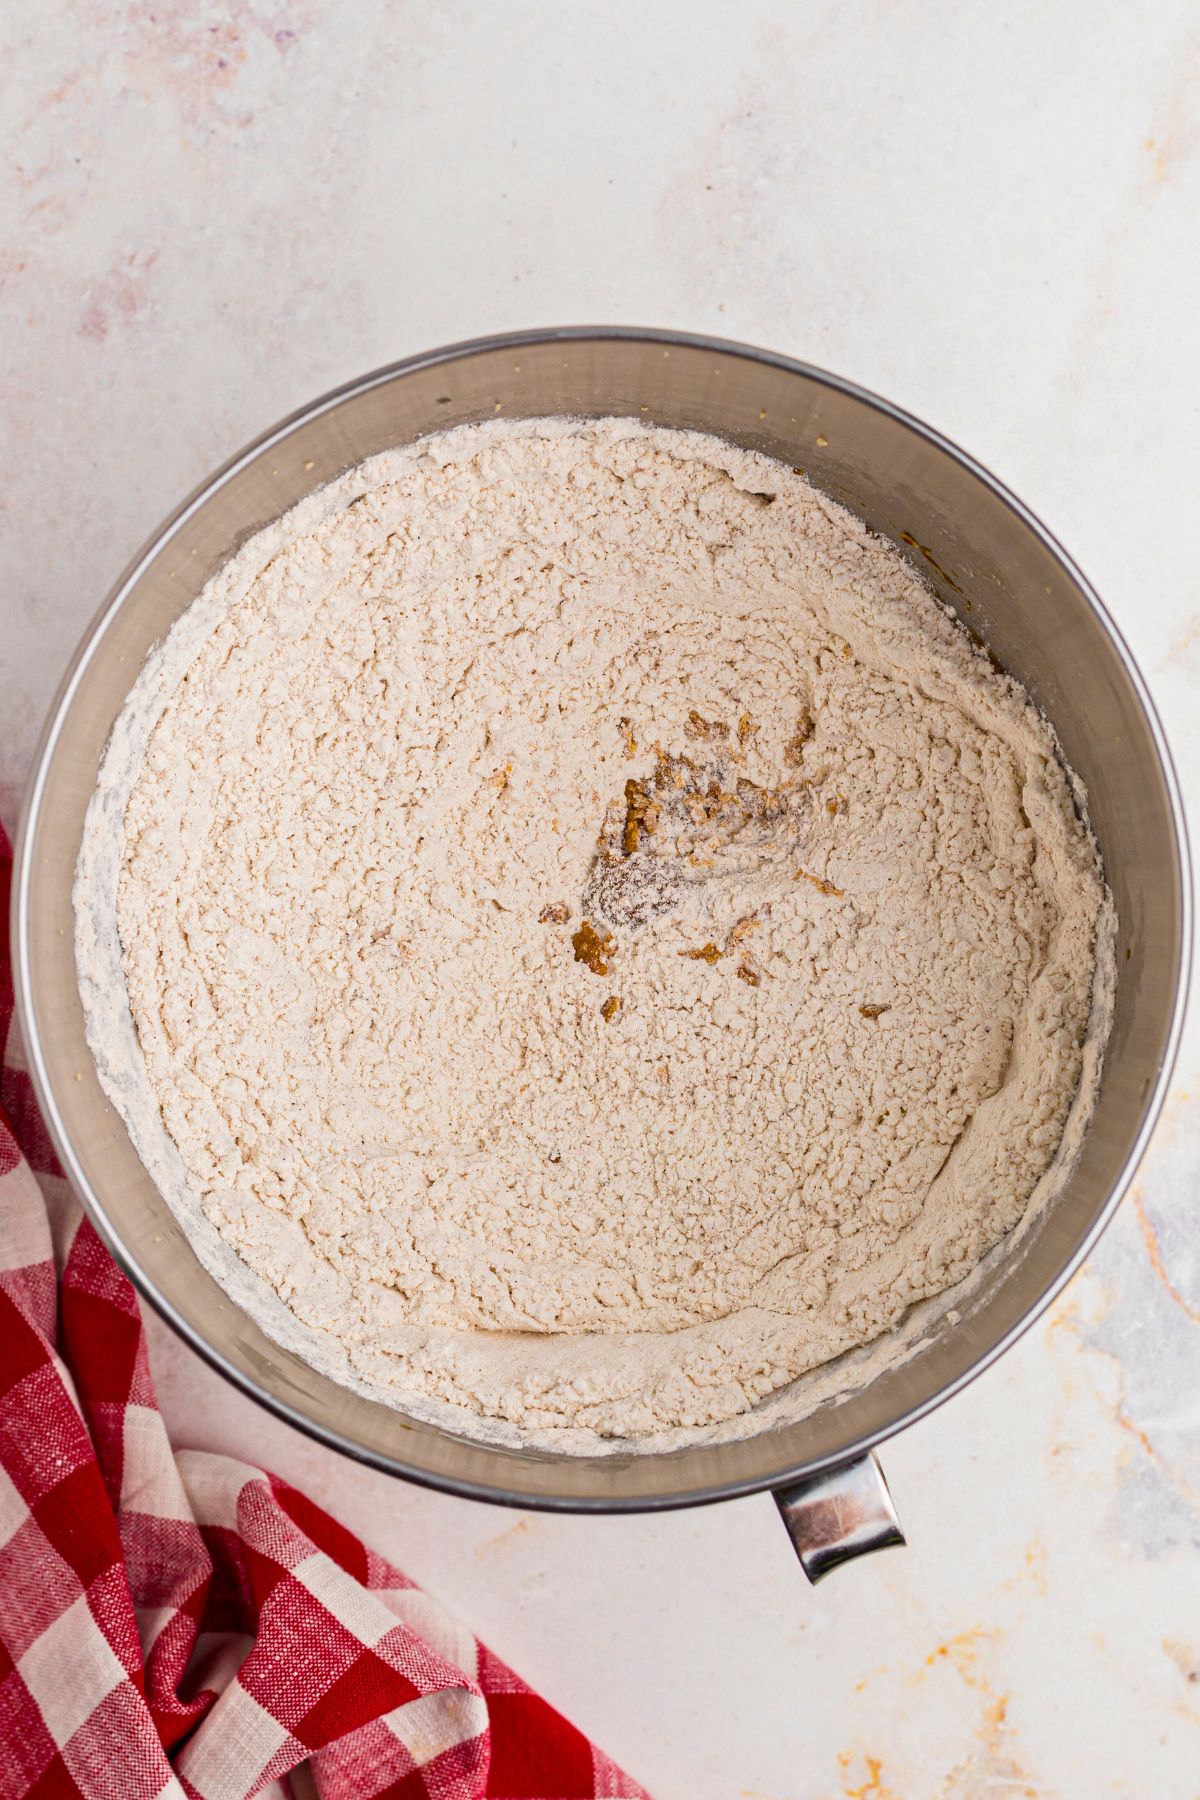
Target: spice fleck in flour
[{"x": 600, "y": 939}]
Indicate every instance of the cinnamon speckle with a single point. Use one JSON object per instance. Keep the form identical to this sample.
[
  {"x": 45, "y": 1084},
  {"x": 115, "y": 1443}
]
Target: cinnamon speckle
[
  {"x": 706, "y": 953},
  {"x": 593, "y": 948},
  {"x": 703, "y": 730},
  {"x": 819, "y": 882}
]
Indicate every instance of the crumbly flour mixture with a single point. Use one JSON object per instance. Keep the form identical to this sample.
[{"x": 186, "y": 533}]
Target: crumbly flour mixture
[{"x": 601, "y": 940}]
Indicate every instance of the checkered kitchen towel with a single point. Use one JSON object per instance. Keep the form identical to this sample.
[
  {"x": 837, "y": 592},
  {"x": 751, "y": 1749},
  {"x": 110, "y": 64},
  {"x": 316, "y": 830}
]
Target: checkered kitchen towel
[{"x": 178, "y": 1623}]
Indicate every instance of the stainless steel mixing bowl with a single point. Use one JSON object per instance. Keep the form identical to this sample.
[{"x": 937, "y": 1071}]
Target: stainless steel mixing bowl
[{"x": 979, "y": 549}]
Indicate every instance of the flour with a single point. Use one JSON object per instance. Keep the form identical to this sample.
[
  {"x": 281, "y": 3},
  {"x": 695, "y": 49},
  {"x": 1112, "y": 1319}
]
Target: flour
[{"x": 601, "y": 942}]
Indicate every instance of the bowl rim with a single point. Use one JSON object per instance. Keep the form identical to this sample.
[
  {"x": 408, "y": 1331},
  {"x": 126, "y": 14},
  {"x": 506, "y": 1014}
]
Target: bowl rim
[{"x": 32, "y": 808}]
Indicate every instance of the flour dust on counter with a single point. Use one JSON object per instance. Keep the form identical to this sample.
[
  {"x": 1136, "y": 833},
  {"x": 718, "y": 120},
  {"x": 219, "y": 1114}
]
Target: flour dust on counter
[{"x": 600, "y": 941}]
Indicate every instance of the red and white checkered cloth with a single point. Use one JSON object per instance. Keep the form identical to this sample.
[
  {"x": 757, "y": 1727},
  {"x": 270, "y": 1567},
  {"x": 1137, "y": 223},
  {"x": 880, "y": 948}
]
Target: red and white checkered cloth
[{"x": 178, "y": 1623}]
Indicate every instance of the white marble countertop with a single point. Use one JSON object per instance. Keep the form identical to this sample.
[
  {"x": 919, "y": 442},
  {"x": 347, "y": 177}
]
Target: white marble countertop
[{"x": 211, "y": 214}]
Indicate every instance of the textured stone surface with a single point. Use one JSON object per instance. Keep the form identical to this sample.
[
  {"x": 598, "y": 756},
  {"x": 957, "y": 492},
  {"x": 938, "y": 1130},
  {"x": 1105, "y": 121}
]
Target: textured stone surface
[{"x": 211, "y": 214}]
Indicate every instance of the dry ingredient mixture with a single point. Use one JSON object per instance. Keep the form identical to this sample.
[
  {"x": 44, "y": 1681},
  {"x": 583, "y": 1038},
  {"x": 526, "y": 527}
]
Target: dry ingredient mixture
[{"x": 601, "y": 940}]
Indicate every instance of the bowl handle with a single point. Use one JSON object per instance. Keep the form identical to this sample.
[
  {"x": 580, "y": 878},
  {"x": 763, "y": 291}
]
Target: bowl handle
[{"x": 840, "y": 1513}]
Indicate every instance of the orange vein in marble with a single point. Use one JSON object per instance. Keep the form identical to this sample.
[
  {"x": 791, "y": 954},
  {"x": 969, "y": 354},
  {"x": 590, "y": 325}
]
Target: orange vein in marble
[
  {"x": 1150, "y": 1237},
  {"x": 874, "y": 1786},
  {"x": 1182, "y": 1487}
]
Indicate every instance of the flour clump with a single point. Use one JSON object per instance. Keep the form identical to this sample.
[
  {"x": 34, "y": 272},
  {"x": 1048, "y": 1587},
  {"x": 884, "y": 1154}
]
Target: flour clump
[{"x": 600, "y": 939}]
